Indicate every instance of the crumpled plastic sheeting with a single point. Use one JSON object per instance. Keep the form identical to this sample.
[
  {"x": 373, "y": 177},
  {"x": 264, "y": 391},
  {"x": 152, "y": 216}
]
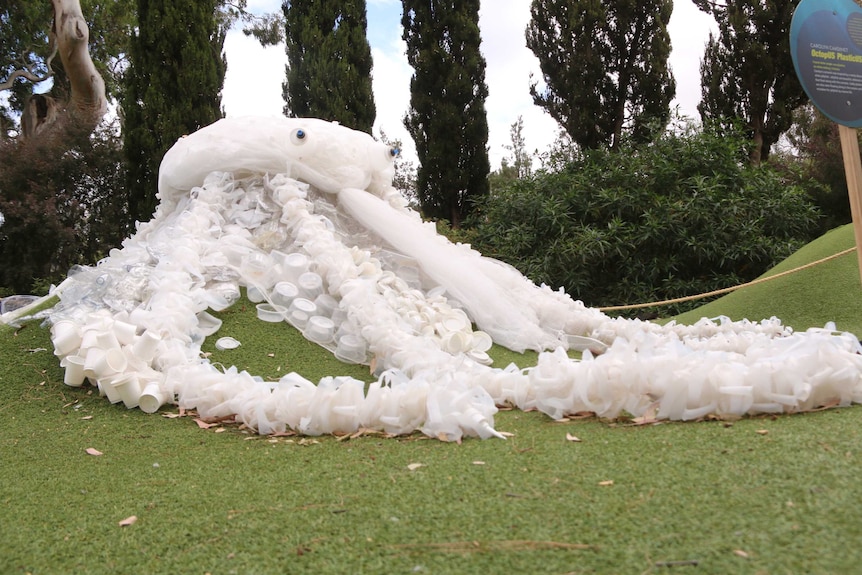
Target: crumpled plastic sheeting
[{"x": 136, "y": 321}]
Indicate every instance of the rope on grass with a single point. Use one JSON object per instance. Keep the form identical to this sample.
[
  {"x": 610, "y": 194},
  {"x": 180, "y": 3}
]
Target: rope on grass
[{"x": 728, "y": 289}]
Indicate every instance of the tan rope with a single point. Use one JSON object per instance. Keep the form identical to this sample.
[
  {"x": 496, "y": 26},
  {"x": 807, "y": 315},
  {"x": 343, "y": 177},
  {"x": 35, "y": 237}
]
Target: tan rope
[{"x": 729, "y": 289}]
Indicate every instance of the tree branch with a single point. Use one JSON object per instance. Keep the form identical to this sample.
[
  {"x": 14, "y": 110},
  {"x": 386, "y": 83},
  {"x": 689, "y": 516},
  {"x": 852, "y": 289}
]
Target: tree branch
[{"x": 27, "y": 75}]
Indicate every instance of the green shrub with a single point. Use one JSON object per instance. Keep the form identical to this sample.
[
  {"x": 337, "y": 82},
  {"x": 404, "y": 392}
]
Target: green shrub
[{"x": 684, "y": 215}]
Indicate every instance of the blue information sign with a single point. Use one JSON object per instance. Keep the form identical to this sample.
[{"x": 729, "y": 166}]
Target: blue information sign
[{"x": 826, "y": 47}]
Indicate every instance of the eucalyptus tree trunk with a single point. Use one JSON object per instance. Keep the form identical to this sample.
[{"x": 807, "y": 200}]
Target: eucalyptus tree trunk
[{"x": 46, "y": 116}]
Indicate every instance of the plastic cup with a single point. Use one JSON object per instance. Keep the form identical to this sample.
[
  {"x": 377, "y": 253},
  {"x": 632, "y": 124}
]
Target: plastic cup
[
  {"x": 254, "y": 294},
  {"x": 125, "y": 332},
  {"x": 94, "y": 357},
  {"x": 66, "y": 337},
  {"x": 152, "y": 398},
  {"x": 326, "y": 305},
  {"x": 310, "y": 285},
  {"x": 255, "y": 267},
  {"x": 74, "y": 375},
  {"x": 270, "y": 312},
  {"x": 106, "y": 387},
  {"x": 284, "y": 293},
  {"x": 295, "y": 265},
  {"x": 107, "y": 340},
  {"x": 140, "y": 316},
  {"x": 89, "y": 339},
  {"x": 278, "y": 259},
  {"x": 144, "y": 346},
  {"x": 110, "y": 362},
  {"x": 222, "y": 296},
  {"x": 319, "y": 329},
  {"x": 300, "y": 311},
  {"x": 129, "y": 389},
  {"x": 208, "y": 324},
  {"x": 351, "y": 349}
]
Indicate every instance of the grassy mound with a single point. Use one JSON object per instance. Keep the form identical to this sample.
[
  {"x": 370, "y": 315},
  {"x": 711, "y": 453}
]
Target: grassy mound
[{"x": 829, "y": 291}]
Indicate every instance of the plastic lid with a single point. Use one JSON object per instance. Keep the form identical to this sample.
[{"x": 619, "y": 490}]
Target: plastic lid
[{"x": 224, "y": 343}]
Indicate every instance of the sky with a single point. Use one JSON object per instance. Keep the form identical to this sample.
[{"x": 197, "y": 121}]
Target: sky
[{"x": 253, "y": 84}]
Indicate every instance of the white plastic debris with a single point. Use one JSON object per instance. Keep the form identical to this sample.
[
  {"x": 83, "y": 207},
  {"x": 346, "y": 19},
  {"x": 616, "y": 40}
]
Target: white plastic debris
[{"x": 312, "y": 229}]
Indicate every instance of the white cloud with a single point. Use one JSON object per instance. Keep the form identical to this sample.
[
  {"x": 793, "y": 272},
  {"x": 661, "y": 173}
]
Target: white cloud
[
  {"x": 689, "y": 31},
  {"x": 391, "y": 84},
  {"x": 509, "y": 65},
  {"x": 252, "y": 84}
]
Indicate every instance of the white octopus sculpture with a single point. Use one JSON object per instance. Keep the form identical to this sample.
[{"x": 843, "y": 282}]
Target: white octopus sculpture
[{"x": 301, "y": 213}]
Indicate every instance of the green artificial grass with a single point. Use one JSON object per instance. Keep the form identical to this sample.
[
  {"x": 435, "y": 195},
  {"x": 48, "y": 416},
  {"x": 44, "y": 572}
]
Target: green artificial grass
[
  {"x": 759, "y": 495},
  {"x": 830, "y": 291}
]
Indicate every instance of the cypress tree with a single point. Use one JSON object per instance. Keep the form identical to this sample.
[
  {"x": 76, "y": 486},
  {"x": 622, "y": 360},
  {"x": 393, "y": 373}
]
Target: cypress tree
[
  {"x": 329, "y": 62},
  {"x": 447, "y": 118},
  {"x": 747, "y": 72},
  {"x": 605, "y": 67},
  {"x": 173, "y": 87}
]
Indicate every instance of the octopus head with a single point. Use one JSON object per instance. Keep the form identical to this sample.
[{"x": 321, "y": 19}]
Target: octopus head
[{"x": 325, "y": 155}]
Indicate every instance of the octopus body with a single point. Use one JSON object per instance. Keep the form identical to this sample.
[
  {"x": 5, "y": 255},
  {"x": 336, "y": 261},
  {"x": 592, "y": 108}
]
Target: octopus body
[{"x": 302, "y": 214}]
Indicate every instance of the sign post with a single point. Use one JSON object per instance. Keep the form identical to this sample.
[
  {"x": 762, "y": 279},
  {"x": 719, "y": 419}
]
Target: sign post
[{"x": 826, "y": 47}]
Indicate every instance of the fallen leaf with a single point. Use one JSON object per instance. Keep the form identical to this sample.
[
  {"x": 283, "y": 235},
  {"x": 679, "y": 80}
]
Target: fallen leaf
[
  {"x": 478, "y": 463},
  {"x": 415, "y": 466},
  {"x": 220, "y": 430},
  {"x": 762, "y": 431},
  {"x": 740, "y": 553},
  {"x": 203, "y": 424},
  {"x": 270, "y": 355},
  {"x": 607, "y": 483},
  {"x": 570, "y": 437},
  {"x": 130, "y": 520},
  {"x": 649, "y": 416},
  {"x": 93, "y": 451},
  {"x": 87, "y": 417}
]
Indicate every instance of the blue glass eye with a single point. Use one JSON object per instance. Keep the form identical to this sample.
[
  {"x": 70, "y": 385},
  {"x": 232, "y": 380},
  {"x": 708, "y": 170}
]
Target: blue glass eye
[
  {"x": 298, "y": 136},
  {"x": 393, "y": 152}
]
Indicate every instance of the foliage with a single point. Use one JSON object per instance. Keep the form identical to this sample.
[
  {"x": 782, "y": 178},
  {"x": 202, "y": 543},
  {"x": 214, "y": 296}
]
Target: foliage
[
  {"x": 447, "y": 118},
  {"x": 747, "y": 72},
  {"x": 62, "y": 203},
  {"x": 521, "y": 162},
  {"x": 605, "y": 67},
  {"x": 683, "y": 215},
  {"x": 815, "y": 159},
  {"x": 329, "y": 62},
  {"x": 173, "y": 87}
]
